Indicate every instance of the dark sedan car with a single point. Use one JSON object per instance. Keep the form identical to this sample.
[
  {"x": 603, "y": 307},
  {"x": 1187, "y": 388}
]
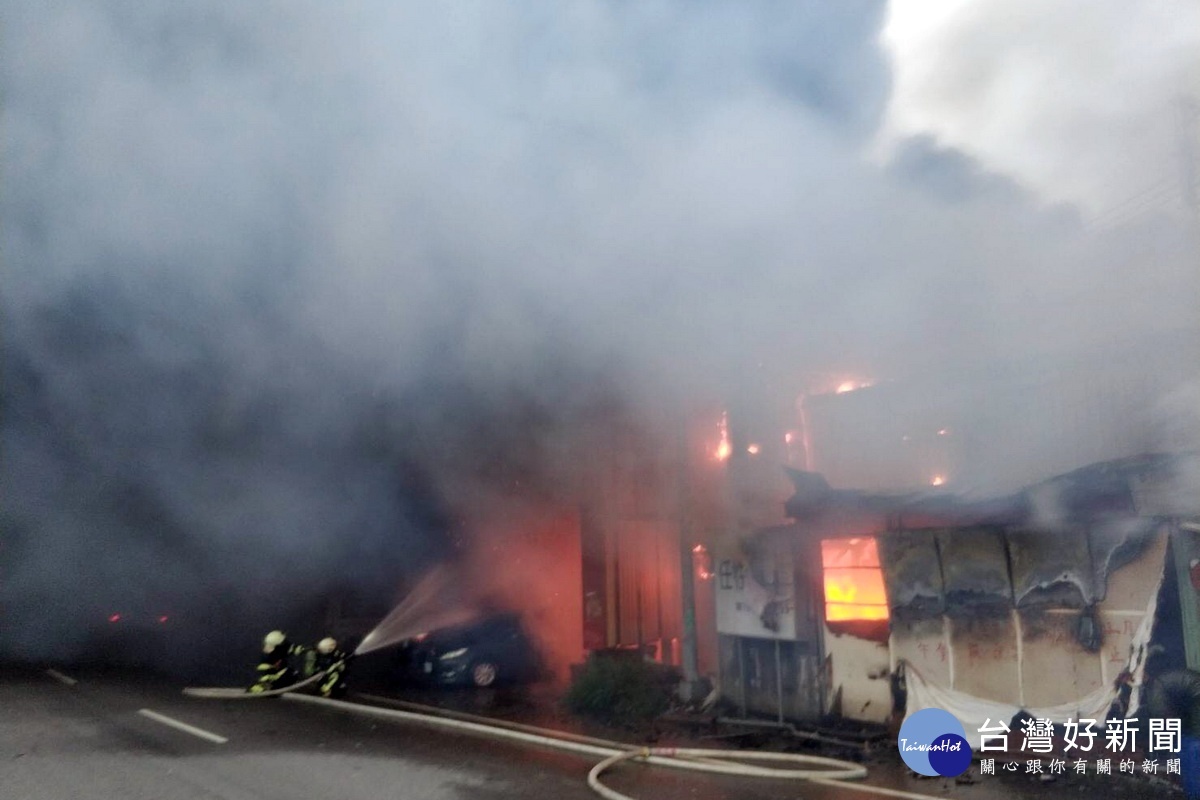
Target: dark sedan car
[{"x": 486, "y": 652}]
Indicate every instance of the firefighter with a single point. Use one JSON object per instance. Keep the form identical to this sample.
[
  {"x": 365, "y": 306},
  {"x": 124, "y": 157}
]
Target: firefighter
[
  {"x": 275, "y": 666},
  {"x": 332, "y": 661}
]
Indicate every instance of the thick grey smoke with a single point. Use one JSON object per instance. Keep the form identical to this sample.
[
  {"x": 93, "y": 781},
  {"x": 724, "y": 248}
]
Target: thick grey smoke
[{"x": 292, "y": 288}]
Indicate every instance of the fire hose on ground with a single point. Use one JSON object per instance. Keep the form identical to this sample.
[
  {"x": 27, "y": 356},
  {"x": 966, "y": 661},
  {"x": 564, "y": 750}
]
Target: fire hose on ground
[
  {"x": 816, "y": 769},
  {"x": 223, "y": 693}
]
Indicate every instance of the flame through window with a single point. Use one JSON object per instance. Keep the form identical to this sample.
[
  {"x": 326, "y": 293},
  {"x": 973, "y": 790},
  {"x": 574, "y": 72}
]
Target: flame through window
[{"x": 853, "y": 580}]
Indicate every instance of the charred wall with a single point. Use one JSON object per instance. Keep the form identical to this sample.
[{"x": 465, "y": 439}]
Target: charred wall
[{"x": 1028, "y": 617}]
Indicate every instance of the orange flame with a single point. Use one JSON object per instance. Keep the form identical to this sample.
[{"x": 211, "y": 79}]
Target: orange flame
[
  {"x": 702, "y": 562},
  {"x": 724, "y": 449},
  {"x": 854, "y": 587},
  {"x": 851, "y": 386}
]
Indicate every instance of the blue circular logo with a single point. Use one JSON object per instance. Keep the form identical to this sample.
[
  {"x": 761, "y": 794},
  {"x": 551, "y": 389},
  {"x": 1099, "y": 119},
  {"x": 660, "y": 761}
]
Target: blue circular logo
[{"x": 933, "y": 742}]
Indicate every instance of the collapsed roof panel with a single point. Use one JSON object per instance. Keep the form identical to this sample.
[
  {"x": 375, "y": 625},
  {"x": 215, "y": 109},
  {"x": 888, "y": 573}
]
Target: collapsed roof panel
[
  {"x": 913, "y": 574},
  {"x": 1051, "y": 568},
  {"x": 975, "y": 571}
]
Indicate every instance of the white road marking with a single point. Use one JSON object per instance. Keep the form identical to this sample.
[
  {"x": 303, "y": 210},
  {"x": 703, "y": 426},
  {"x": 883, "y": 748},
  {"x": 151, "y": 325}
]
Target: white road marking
[
  {"x": 58, "y": 676},
  {"x": 182, "y": 726}
]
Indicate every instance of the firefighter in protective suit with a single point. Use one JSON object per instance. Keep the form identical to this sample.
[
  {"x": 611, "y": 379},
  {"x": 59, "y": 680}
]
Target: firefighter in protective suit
[
  {"x": 275, "y": 666},
  {"x": 332, "y": 661}
]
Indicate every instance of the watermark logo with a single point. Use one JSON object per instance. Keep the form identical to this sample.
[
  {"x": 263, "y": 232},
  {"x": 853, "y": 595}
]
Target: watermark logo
[{"x": 933, "y": 742}]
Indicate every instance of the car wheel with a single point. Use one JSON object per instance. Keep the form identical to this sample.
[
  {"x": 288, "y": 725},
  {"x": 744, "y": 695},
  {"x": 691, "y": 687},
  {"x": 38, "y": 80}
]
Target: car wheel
[{"x": 483, "y": 674}]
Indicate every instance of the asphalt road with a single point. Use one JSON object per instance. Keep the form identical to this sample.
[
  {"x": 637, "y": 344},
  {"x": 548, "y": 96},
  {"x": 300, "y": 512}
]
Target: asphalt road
[
  {"x": 90, "y": 741},
  {"x": 116, "y": 735}
]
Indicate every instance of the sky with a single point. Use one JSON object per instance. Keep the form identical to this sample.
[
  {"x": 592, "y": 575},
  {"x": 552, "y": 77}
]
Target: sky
[
  {"x": 1078, "y": 101},
  {"x": 289, "y": 283}
]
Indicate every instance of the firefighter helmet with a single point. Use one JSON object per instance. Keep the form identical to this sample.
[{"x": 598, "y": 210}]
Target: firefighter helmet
[
  {"x": 326, "y": 646},
  {"x": 273, "y": 640}
]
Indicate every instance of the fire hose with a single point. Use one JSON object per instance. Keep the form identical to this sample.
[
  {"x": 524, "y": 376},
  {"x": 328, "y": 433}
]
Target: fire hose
[
  {"x": 223, "y": 693},
  {"x": 814, "y": 769}
]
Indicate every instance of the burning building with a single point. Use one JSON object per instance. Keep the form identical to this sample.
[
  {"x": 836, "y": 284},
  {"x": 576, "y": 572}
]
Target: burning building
[
  {"x": 809, "y": 601},
  {"x": 1050, "y": 600},
  {"x": 600, "y": 557},
  {"x": 655, "y": 503},
  {"x": 977, "y": 565}
]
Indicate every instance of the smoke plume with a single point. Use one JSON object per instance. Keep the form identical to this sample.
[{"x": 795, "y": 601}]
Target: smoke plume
[{"x": 297, "y": 294}]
